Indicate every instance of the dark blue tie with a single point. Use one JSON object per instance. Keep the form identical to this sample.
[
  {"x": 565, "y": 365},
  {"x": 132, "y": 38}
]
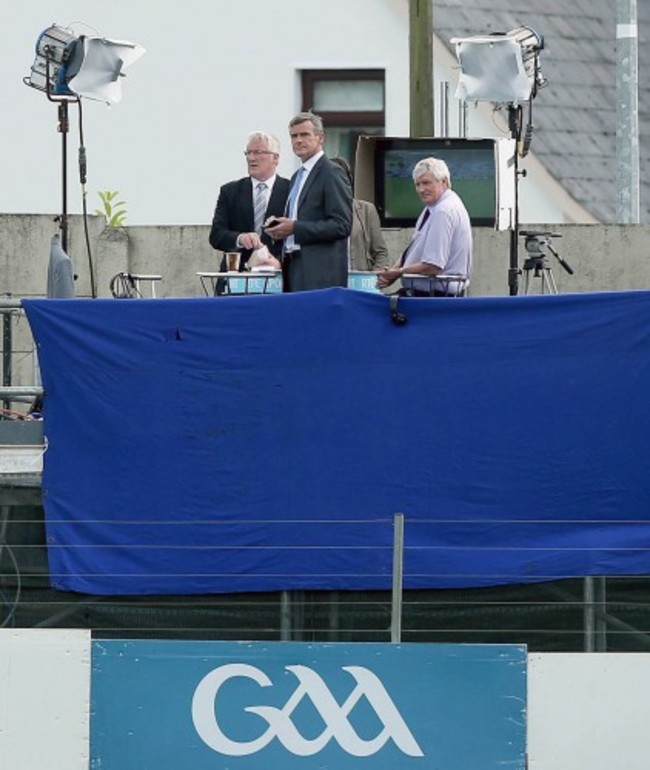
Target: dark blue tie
[{"x": 425, "y": 218}]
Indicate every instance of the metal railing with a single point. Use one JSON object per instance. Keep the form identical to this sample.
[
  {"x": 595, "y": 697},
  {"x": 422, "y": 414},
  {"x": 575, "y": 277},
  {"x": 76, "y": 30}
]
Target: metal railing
[
  {"x": 593, "y": 614},
  {"x": 11, "y": 311}
]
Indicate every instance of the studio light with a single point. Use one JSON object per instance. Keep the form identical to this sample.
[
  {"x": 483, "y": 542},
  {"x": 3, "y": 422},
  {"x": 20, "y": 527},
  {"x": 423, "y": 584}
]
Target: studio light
[
  {"x": 67, "y": 68},
  {"x": 67, "y": 65},
  {"x": 500, "y": 68},
  {"x": 504, "y": 69}
]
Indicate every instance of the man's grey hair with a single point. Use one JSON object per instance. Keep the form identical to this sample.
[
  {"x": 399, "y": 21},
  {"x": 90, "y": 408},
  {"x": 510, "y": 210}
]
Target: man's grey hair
[
  {"x": 315, "y": 120},
  {"x": 272, "y": 142},
  {"x": 434, "y": 166}
]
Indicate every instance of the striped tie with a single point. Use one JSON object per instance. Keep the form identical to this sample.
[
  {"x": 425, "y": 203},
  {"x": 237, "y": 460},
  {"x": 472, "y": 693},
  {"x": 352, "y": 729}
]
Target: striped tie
[{"x": 259, "y": 208}]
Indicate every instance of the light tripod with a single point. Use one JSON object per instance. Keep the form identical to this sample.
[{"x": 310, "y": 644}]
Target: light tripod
[
  {"x": 503, "y": 68},
  {"x": 68, "y": 67},
  {"x": 538, "y": 245}
]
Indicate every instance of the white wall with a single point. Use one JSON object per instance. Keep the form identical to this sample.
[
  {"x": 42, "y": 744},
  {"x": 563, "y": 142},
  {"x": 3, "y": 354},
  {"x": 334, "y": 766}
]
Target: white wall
[
  {"x": 44, "y": 699},
  {"x": 588, "y": 711},
  {"x": 214, "y": 71}
]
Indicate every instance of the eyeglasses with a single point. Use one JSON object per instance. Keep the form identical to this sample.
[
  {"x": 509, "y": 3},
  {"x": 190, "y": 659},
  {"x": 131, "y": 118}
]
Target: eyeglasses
[{"x": 248, "y": 153}]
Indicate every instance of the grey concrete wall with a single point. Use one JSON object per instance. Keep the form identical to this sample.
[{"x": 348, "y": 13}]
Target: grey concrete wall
[
  {"x": 176, "y": 253},
  {"x": 25, "y": 250},
  {"x": 604, "y": 258}
]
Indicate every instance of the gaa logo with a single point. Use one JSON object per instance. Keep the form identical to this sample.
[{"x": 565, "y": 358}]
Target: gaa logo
[{"x": 205, "y": 714}]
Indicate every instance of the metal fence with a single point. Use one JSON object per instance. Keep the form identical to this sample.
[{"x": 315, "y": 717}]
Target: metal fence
[{"x": 580, "y": 614}]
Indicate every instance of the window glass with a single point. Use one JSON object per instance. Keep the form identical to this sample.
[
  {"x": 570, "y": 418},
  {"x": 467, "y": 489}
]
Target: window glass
[
  {"x": 348, "y": 96},
  {"x": 342, "y": 141},
  {"x": 351, "y": 103}
]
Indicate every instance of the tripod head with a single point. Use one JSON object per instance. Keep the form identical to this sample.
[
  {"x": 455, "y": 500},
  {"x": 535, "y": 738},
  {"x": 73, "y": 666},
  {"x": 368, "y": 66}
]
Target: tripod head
[{"x": 539, "y": 243}]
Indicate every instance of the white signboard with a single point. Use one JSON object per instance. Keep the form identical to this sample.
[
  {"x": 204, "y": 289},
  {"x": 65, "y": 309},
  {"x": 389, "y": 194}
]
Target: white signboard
[
  {"x": 588, "y": 711},
  {"x": 44, "y": 699}
]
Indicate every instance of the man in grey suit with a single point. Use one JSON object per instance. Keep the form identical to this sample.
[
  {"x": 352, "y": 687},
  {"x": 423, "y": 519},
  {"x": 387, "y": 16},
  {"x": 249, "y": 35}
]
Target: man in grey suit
[{"x": 318, "y": 218}]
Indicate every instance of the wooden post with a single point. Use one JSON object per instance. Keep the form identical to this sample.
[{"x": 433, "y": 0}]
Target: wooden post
[{"x": 421, "y": 67}]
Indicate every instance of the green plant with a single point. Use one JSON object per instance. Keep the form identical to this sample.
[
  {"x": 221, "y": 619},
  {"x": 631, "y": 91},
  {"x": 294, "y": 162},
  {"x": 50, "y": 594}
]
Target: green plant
[{"x": 113, "y": 210}]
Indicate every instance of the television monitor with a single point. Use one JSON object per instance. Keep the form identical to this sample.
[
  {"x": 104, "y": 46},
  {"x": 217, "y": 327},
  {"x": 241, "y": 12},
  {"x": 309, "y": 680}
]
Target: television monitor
[{"x": 482, "y": 173}]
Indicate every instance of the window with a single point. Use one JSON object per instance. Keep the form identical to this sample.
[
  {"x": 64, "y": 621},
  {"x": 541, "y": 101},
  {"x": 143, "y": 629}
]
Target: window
[{"x": 351, "y": 103}]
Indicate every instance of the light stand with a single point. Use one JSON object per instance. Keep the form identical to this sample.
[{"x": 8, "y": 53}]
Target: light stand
[
  {"x": 64, "y": 129},
  {"x": 503, "y": 68},
  {"x": 66, "y": 68},
  {"x": 514, "y": 125}
]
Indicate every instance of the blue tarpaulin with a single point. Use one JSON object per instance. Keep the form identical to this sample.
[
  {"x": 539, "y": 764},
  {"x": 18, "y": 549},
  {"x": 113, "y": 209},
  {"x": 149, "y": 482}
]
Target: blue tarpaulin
[{"x": 265, "y": 443}]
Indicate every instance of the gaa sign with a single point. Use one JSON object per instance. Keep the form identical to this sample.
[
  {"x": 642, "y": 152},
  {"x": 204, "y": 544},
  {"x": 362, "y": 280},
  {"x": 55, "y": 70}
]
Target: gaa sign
[
  {"x": 244, "y": 706},
  {"x": 336, "y": 725}
]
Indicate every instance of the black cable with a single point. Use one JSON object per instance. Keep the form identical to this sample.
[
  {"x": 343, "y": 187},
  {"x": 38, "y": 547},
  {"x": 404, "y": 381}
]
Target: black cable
[
  {"x": 82, "y": 179},
  {"x": 12, "y": 610},
  {"x": 6, "y": 602}
]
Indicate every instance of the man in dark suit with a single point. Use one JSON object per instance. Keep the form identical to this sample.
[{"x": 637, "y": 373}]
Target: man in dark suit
[
  {"x": 244, "y": 205},
  {"x": 319, "y": 214}
]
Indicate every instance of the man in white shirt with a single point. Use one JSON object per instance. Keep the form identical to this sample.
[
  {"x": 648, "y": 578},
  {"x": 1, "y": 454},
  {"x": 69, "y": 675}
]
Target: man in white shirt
[{"x": 441, "y": 242}]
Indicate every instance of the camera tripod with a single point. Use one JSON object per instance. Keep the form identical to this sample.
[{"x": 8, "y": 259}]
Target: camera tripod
[{"x": 538, "y": 245}]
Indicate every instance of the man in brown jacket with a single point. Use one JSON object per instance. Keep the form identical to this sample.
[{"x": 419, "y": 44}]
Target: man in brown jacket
[{"x": 367, "y": 247}]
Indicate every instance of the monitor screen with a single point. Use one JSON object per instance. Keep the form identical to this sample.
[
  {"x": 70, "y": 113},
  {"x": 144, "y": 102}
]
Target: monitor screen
[{"x": 472, "y": 165}]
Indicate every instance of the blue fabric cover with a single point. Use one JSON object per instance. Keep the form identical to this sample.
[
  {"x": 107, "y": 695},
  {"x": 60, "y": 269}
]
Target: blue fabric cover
[{"x": 265, "y": 443}]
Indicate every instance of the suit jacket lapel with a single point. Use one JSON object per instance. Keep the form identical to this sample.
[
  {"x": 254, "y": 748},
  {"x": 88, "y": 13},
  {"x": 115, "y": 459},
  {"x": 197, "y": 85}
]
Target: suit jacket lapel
[
  {"x": 310, "y": 179},
  {"x": 276, "y": 194},
  {"x": 246, "y": 202}
]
